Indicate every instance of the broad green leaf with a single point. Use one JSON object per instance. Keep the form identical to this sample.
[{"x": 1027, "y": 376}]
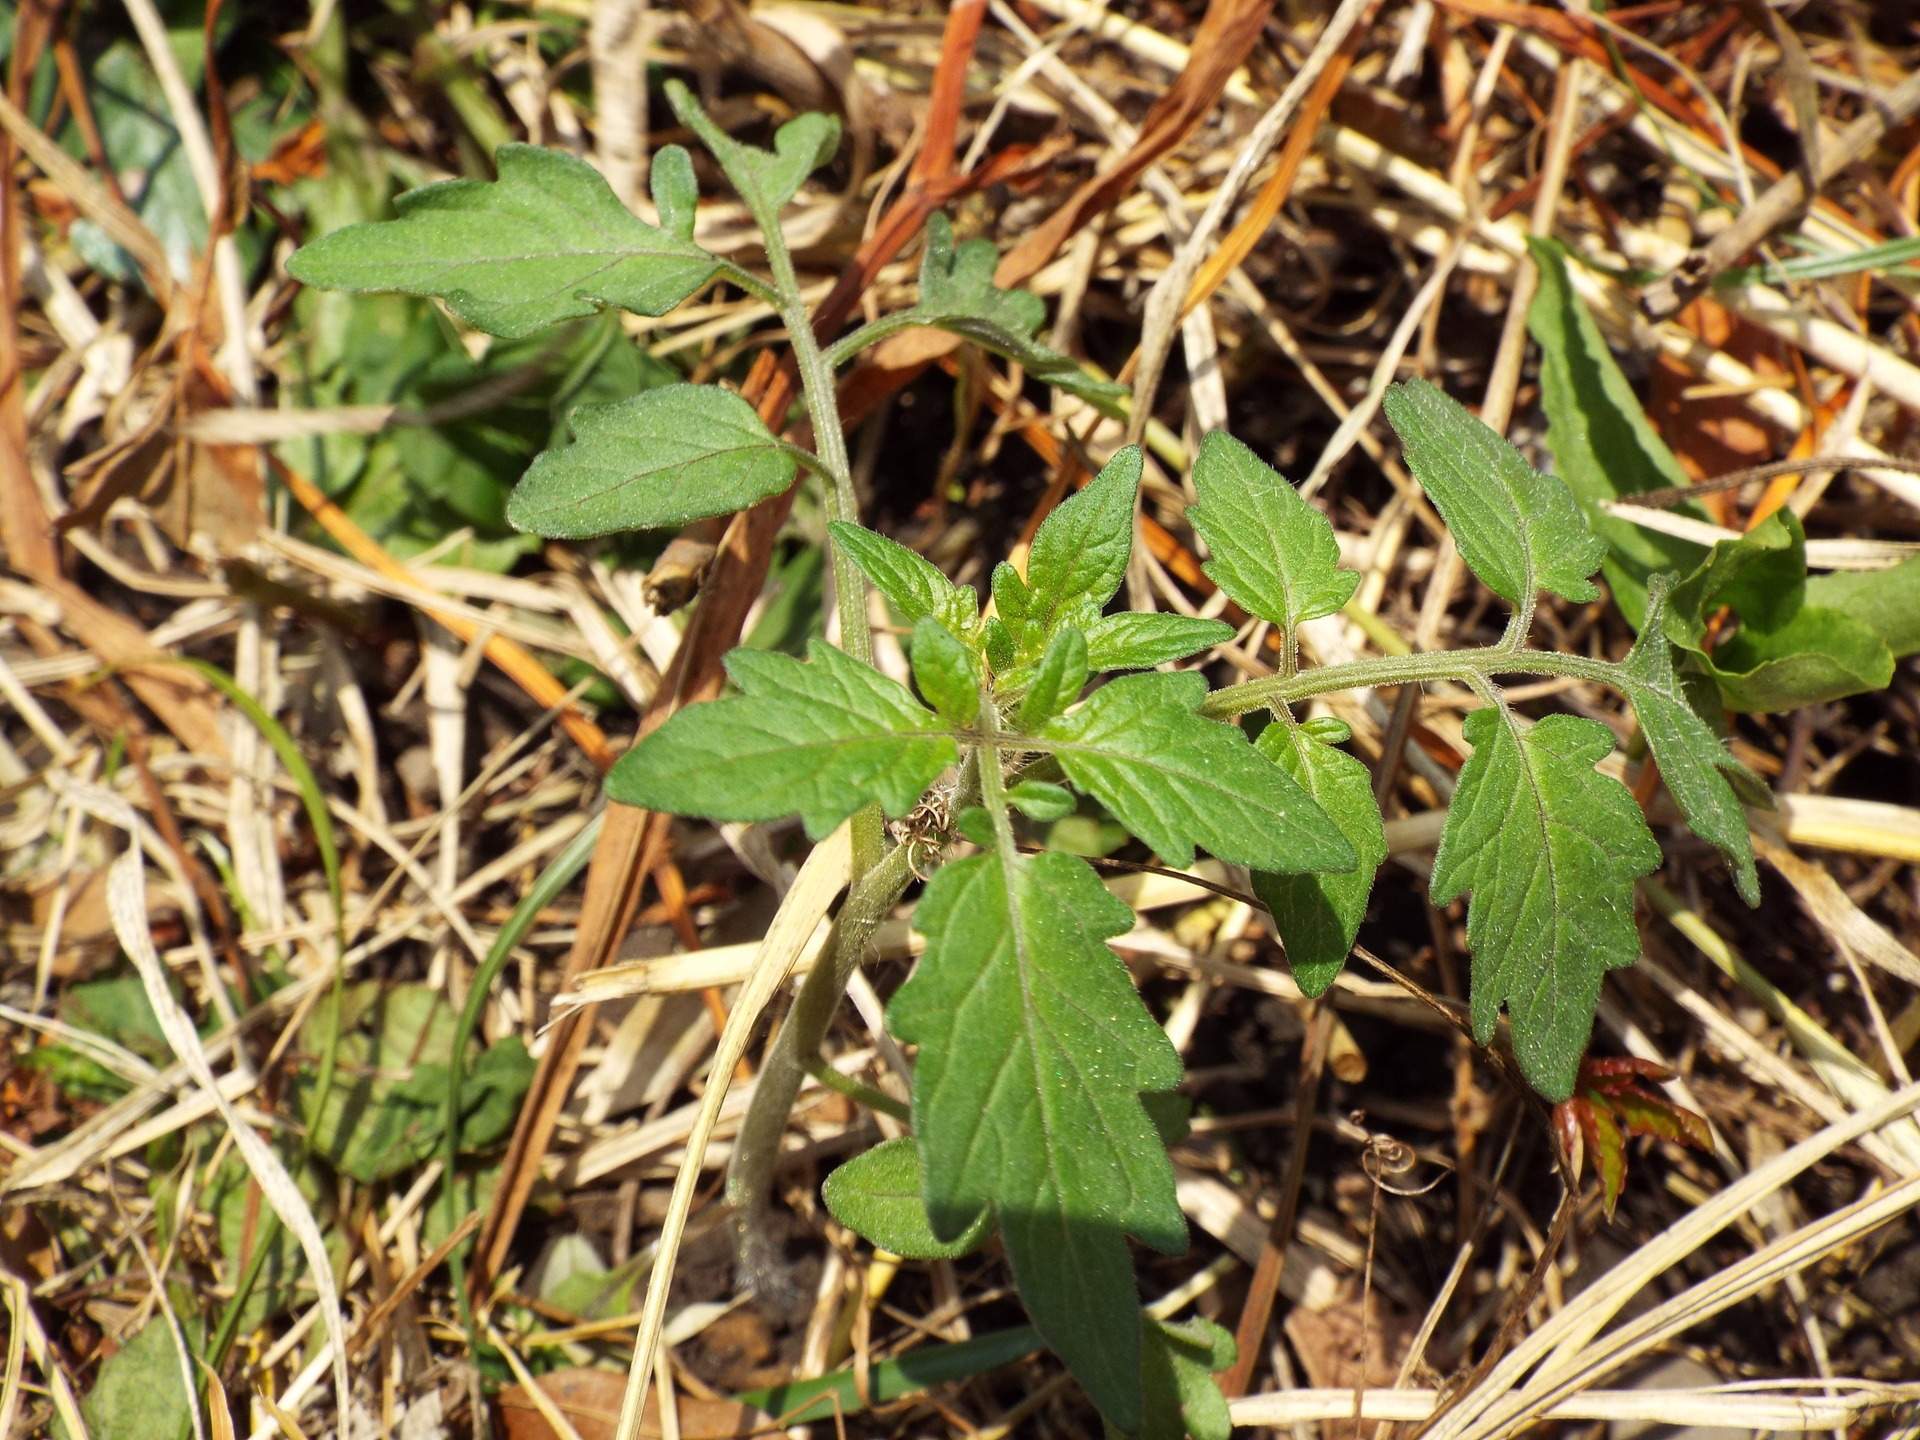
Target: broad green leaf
[
  {"x": 1132, "y": 641},
  {"x": 1178, "y": 1366},
  {"x": 766, "y": 179},
  {"x": 957, "y": 294},
  {"x": 285, "y": 1267},
  {"x": 1039, "y": 800},
  {"x": 1034, "y": 1048},
  {"x": 908, "y": 579},
  {"x": 1785, "y": 653},
  {"x": 1272, "y": 551},
  {"x": 1603, "y": 445},
  {"x": 1550, "y": 849},
  {"x": 1079, "y": 553},
  {"x": 946, "y": 672},
  {"x": 1057, "y": 680},
  {"x": 662, "y": 457},
  {"x": 547, "y": 241},
  {"x": 842, "y": 1393},
  {"x": 1517, "y": 530},
  {"x": 1693, "y": 760},
  {"x": 1177, "y": 780},
  {"x": 1318, "y": 915},
  {"x": 878, "y": 1196},
  {"x": 821, "y": 738},
  {"x": 1887, "y": 602},
  {"x": 140, "y": 1393}
]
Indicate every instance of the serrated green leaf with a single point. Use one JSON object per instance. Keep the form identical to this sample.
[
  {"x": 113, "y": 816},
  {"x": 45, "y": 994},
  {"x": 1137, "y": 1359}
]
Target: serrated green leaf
[
  {"x": 1317, "y": 916},
  {"x": 878, "y": 1196},
  {"x": 1178, "y": 1366},
  {"x": 1887, "y": 602},
  {"x": 957, "y": 294},
  {"x": 997, "y": 640},
  {"x": 1550, "y": 849},
  {"x": 946, "y": 672},
  {"x": 821, "y": 738},
  {"x": 1034, "y": 1048},
  {"x": 1079, "y": 554},
  {"x": 1517, "y": 530},
  {"x": 1037, "y": 800},
  {"x": 1273, "y": 553},
  {"x": 1692, "y": 759},
  {"x": 662, "y": 457},
  {"x": 766, "y": 179},
  {"x": 1177, "y": 780},
  {"x": 1603, "y": 445},
  {"x": 1057, "y": 680},
  {"x": 676, "y": 194},
  {"x": 909, "y": 580},
  {"x": 1132, "y": 641},
  {"x": 547, "y": 241}
]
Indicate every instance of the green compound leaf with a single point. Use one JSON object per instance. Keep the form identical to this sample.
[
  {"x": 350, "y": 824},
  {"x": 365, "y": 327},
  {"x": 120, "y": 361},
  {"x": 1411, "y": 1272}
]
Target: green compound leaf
[
  {"x": 662, "y": 457},
  {"x": 1692, "y": 759},
  {"x": 1177, "y": 780},
  {"x": 1517, "y": 530},
  {"x": 821, "y": 738},
  {"x": 547, "y": 241},
  {"x": 1318, "y": 915},
  {"x": 957, "y": 294},
  {"x": 946, "y": 671},
  {"x": 909, "y": 580},
  {"x": 878, "y": 1196},
  {"x": 1178, "y": 1366},
  {"x": 1272, "y": 551},
  {"x": 1603, "y": 445},
  {"x": 1079, "y": 555},
  {"x": 1133, "y": 641},
  {"x": 1057, "y": 680},
  {"x": 1034, "y": 1048},
  {"x": 766, "y": 179},
  {"x": 1550, "y": 849}
]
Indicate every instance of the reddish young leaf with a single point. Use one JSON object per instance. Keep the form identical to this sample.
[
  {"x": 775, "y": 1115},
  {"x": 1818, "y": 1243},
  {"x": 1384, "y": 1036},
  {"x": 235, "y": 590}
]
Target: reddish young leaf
[
  {"x": 1607, "y": 1142},
  {"x": 1646, "y": 1114},
  {"x": 1566, "y": 1124}
]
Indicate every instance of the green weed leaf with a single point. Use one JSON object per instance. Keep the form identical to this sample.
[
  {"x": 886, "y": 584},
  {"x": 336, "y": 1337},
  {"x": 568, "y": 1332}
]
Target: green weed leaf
[
  {"x": 878, "y": 1196},
  {"x": 1603, "y": 445},
  {"x": 1178, "y": 1366},
  {"x": 1272, "y": 551},
  {"x": 766, "y": 179},
  {"x": 1318, "y": 915},
  {"x": 1887, "y": 602},
  {"x": 821, "y": 738},
  {"x": 547, "y": 241},
  {"x": 1057, "y": 680},
  {"x": 946, "y": 671},
  {"x": 1550, "y": 849},
  {"x": 662, "y": 457},
  {"x": 1178, "y": 780},
  {"x": 1034, "y": 1048},
  {"x": 957, "y": 294},
  {"x": 676, "y": 193},
  {"x": 139, "y": 1393},
  {"x": 1693, "y": 760},
  {"x": 1040, "y": 800},
  {"x": 1517, "y": 530},
  {"x": 909, "y": 580},
  {"x": 1133, "y": 641},
  {"x": 1079, "y": 556}
]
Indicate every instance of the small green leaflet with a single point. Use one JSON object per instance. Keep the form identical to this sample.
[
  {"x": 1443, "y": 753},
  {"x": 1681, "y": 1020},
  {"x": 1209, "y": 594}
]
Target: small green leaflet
[
  {"x": 547, "y": 241},
  {"x": 1318, "y": 915},
  {"x": 1177, "y": 780},
  {"x": 1692, "y": 759},
  {"x": 1133, "y": 641},
  {"x": 1079, "y": 555},
  {"x": 1273, "y": 553},
  {"x": 1178, "y": 1365},
  {"x": 821, "y": 738},
  {"x": 1517, "y": 530},
  {"x": 1603, "y": 445},
  {"x": 877, "y": 1195},
  {"x": 1550, "y": 849},
  {"x": 1039, "y": 800},
  {"x": 1034, "y": 1048},
  {"x": 765, "y": 179},
  {"x": 662, "y": 457},
  {"x": 1057, "y": 679},
  {"x": 946, "y": 672},
  {"x": 911, "y": 581},
  {"x": 957, "y": 294}
]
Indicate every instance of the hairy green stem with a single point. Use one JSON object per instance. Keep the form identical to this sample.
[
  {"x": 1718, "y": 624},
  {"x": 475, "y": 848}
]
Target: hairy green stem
[
  {"x": 795, "y": 1049},
  {"x": 860, "y": 1094},
  {"x": 1465, "y": 666}
]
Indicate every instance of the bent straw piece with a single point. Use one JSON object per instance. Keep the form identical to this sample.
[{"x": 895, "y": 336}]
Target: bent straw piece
[{"x": 1733, "y": 1406}]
